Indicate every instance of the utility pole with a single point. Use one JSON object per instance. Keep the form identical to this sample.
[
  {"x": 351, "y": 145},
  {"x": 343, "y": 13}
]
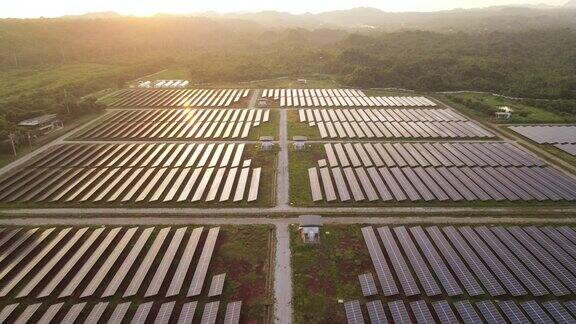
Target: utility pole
[
  {"x": 66, "y": 101},
  {"x": 12, "y": 136}
]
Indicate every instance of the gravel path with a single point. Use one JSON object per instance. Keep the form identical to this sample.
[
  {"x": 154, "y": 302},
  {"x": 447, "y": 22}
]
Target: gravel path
[
  {"x": 282, "y": 187},
  {"x": 282, "y": 276}
]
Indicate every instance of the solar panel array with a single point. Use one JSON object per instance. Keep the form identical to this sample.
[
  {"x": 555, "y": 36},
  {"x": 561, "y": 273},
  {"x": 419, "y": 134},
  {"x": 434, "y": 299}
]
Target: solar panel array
[
  {"x": 562, "y": 136},
  {"x": 177, "y": 124},
  {"x": 461, "y": 311},
  {"x": 179, "y": 98},
  {"x": 338, "y": 98},
  {"x": 158, "y": 173},
  {"x": 435, "y": 172},
  {"x": 548, "y": 134},
  {"x": 87, "y": 274},
  {"x": 53, "y": 253},
  {"x": 392, "y": 123},
  {"x": 477, "y": 261}
]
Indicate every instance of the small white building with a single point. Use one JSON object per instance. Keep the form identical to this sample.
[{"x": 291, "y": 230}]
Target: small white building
[
  {"x": 267, "y": 142},
  {"x": 310, "y": 228},
  {"x": 41, "y": 125},
  {"x": 504, "y": 113},
  {"x": 300, "y": 142}
]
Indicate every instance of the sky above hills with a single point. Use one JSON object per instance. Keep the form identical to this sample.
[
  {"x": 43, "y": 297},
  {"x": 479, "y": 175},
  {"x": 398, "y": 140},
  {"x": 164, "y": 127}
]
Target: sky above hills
[{"x": 55, "y": 8}]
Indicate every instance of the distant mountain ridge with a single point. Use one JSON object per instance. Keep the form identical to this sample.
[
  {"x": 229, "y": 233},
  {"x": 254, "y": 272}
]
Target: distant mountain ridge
[{"x": 510, "y": 17}]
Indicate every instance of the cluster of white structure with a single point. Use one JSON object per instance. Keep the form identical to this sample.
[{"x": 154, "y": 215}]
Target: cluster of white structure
[
  {"x": 164, "y": 84},
  {"x": 340, "y": 98}
]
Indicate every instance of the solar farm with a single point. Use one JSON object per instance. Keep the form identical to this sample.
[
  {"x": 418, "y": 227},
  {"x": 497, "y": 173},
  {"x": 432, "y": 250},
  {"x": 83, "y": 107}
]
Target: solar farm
[
  {"x": 179, "y": 204},
  {"x": 450, "y": 274},
  {"x": 163, "y": 274}
]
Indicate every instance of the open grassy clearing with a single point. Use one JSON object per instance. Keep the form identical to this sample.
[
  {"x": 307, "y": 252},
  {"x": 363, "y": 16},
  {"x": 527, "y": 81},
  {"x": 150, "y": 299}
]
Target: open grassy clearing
[
  {"x": 22, "y": 81},
  {"x": 522, "y": 114},
  {"x": 325, "y": 273},
  {"x": 269, "y": 128},
  {"x": 242, "y": 252},
  {"x": 297, "y": 128}
]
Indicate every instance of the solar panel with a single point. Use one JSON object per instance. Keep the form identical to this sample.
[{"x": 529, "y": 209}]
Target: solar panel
[
  {"x": 380, "y": 265},
  {"x": 455, "y": 262},
  {"x": 73, "y": 313},
  {"x": 233, "y": 313},
  {"x": 32, "y": 263},
  {"x": 547, "y": 260},
  {"x": 164, "y": 313},
  {"x": 217, "y": 285},
  {"x": 444, "y": 312},
  {"x": 88, "y": 264},
  {"x": 202, "y": 267},
  {"x": 27, "y": 313},
  {"x": 138, "y": 278},
  {"x": 57, "y": 279},
  {"x": 398, "y": 263},
  {"x": 119, "y": 313},
  {"x": 420, "y": 268},
  {"x": 367, "y": 284},
  {"x": 535, "y": 312},
  {"x": 165, "y": 263},
  {"x": 187, "y": 313},
  {"x": 535, "y": 287},
  {"x": 467, "y": 312},
  {"x": 17, "y": 243},
  {"x": 108, "y": 263},
  {"x": 490, "y": 312},
  {"x": 49, "y": 314},
  {"x": 512, "y": 312},
  {"x": 376, "y": 312},
  {"x": 558, "y": 312},
  {"x": 421, "y": 312},
  {"x": 124, "y": 268},
  {"x": 184, "y": 264},
  {"x": 6, "y": 311},
  {"x": 142, "y": 313},
  {"x": 210, "y": 313},
  {"x": 436, "y": 262},
  {"x": 96, "y": 313},
  {"x": 497, "y": 267},
  {"x": 353, "y": 312},
  {"x": 399, "y": 312}
]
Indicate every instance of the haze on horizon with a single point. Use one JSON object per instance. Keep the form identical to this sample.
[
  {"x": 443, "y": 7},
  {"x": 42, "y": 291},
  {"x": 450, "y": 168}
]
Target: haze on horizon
[{"x": 56, "y": 8}]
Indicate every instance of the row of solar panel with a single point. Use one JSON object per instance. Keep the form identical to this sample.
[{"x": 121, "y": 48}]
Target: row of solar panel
[
  {"x": 497, "y": 261},
  {"x": 104, "y": 312},
  {"x": 195, "y": 127},
  {"x": 141, "y": 155},
  {"x": 548, "y": 134},
  {"x": 177, "y": 98},
  {"x": 379, "y": 115},
  {"x": 340, "y": 98},
  {"x": 568, "y": 148},
  {"x": 38, "y": 263},
  {"x": 467, "y": 129},
  {"x": 427, "y": 154},
  {"x": 441, "y": 184},
  {"x": 113, "y": 184},
  {"x": 443, "y": 311}
]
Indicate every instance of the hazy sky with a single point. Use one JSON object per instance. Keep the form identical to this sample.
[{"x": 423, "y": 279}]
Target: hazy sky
[{"x": 53, "y": 8}]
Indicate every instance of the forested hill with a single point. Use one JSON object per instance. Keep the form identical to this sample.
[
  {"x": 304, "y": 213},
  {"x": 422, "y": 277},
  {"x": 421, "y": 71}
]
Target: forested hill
[{"x": 532, "y": 63}]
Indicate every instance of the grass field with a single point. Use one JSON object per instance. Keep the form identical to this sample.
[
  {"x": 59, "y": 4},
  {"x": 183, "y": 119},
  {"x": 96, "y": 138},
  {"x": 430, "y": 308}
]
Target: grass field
[
  {"x": 327, "y": 272},
  {"x": 16, "y": 82},
  {"x": 522, "y": 114},
  {"x": 269, "y": 128},
  {"x": 297, "y": 128}
]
